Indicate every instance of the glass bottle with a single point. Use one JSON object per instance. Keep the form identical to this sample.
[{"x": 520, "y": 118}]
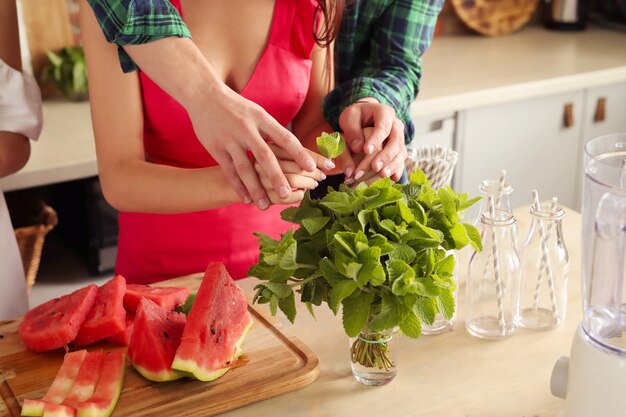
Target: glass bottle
[
  {"x": 441, "y": 324},
  {"x": 373, "y": 356},
  {"x": 493, "y": 279},
  {"x": 543, "y": 291}
]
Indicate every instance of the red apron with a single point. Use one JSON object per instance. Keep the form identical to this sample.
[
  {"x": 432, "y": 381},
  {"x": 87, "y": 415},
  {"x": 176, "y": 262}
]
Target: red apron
[{"x": 154, "y": 247}]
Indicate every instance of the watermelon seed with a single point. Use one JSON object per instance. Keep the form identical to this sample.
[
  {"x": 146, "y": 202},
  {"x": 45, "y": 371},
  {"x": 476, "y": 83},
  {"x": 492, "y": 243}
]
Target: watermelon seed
[
  {"x": 1, "y": 336},
  {"x": 213, "y": 331},
  {"x": 227, "y": 362},
  {"x": 167, "y": 336}
]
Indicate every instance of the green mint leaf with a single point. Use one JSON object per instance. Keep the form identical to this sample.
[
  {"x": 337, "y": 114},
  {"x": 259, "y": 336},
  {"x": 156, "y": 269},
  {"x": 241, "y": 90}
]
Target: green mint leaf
[
  {"x": 405, "y": 212},
  {"x": 185, "y": 308},
  {"x": 391, "y": 313},
  {"x": 288, "y": 258},
  {"x": 419, "y": 178},
  {"x": 352, "y": 270},
  {"x": 356, "y": 311},
  {"x": 278, "y": 274},
  {"x": 289, "y": 214},
  {"x": 448, "y": 201},
  {"x": 314, "y": 225},
  {"x": 338, "y": 202},
  {"x": 372, "y": 273},
  {"x": 410, "y": 325},
  {"x": 458, "y": 232},
  {"x": 260, "y": 271},
  {"x": 331, "y": 145},
  {"x": 403, "y": 252},
  {"x": 464, "y": 203},
  {"x": 346, "y": 241},
  {"x": 330, "y": 272},
  {"x": 273, "y": 304},
  {"x": 401, "y": 277},
  {"x": 386, "y": 196},
  {"x": 445, "y": 304},
  {"x": 288, "y": 306},
  {"x": 281, "y": 290},
  {"x": 445, "y": 267},
  {"x": 425, "y": 309},
  {"x": 474, "y": 236},
  {"x": 339, "y": 292},
  {"x": 309, "y": 307}
]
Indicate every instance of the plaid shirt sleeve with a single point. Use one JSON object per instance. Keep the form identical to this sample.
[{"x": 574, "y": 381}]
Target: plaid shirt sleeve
[
  {"x": 128, "y": 22},
  {"x": 392, "y": 70}
]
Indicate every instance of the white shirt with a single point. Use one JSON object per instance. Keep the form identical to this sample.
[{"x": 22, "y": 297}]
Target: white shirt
[{"x": 20, "y": 112}]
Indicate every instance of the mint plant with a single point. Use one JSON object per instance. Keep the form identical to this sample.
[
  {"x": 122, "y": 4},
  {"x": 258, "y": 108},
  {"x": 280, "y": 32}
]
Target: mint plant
[
  {"x": 378, "y": 252},
  {"x": 331, "y": 145}
]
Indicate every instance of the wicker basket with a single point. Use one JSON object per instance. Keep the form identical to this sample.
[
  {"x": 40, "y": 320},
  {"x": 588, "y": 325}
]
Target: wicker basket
[{"x": 30, "y": 240}]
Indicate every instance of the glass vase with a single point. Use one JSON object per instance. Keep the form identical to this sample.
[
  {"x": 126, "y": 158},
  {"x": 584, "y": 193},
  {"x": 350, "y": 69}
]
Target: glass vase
[{"x": 373, "y": 356}]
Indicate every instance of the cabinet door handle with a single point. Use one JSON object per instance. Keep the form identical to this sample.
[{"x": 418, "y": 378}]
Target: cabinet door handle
[
  {"x": 568, "y": 115},
  {"x": 600, "y": 113}
]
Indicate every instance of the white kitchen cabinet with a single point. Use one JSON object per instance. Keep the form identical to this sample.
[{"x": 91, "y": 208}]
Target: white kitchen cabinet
[
  {"x": 435, "y": 130},
  {"x": 530, "y": 139},
  {"x": 604, "y": 113}
]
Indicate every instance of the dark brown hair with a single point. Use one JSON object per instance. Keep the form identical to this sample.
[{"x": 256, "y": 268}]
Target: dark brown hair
[{"x": 332, "y": 11}]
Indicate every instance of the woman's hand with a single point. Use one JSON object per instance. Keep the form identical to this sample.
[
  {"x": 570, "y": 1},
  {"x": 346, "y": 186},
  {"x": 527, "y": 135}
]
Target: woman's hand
[{"x": 299, "y": 180}]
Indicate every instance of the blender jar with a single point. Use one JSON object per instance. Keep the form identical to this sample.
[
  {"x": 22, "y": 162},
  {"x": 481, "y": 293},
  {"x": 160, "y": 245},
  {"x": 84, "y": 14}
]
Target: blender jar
[{"x": 604, "y": 242}]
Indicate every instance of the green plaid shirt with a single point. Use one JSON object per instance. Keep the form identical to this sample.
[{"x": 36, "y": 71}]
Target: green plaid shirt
[{"x": 378, "y": 50}]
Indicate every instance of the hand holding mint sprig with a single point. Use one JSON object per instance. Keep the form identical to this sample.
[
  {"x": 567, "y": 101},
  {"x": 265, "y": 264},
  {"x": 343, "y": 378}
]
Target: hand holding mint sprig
[{"x": 331, "y": 145}]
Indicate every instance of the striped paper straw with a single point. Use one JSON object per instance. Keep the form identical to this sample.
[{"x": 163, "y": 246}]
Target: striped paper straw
[
  {"x": 501, "y": 184},
  {"x": 496, "y": 269}
]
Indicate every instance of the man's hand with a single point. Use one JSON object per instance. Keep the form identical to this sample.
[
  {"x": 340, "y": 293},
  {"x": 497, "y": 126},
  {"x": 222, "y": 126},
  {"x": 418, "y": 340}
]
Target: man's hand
[
  {"x": 229, "y": 126},
  {"x": 373, "y": 128}
]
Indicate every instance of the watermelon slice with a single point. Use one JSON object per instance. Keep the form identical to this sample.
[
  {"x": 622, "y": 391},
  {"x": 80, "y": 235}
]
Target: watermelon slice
[
  {"x": 55, "y": 410},
  {"x": 108, "y": 389},
  {"x": 166, "y": 297},
  {"x": 155, "y": 339},
  {"x": 86, "y": 380},
  {"x": 216, "y": 327},
  {"x": 61, "y": 386},
  {"x": 107, "y": 317},
  {"x": 123, "y": 338},
  {"x": 56, "y": 323}
]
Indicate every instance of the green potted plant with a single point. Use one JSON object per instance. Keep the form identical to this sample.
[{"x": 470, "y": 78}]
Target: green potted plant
[
  {"x": 379, "y": 252},
  {"x": 67, "y": 70}
]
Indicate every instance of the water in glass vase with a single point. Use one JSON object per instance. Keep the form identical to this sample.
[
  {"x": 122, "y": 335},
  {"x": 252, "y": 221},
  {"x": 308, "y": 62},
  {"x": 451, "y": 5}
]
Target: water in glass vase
[{"x": 373, "y": 357}]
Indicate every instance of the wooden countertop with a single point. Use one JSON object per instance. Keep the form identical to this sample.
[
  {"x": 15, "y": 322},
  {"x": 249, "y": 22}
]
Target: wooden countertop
[{"x": 448, "y": 375}]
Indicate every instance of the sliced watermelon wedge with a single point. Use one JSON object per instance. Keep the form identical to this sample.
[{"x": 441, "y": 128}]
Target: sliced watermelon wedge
[
  {"x": 155, "y": 338},
  {"x": 109, "y": 387},
  {"x": 86, "y": 380},
  {"x": 166, "y": 297},
  {"x": 56, "y": 323},
  {"x": 61, "y": 386},
  {"x": 107, "y": 317},
  {"x": 55, "y": 410},
  {"x": 123, "y": 338},
  {"x": 216, "y": 327}
]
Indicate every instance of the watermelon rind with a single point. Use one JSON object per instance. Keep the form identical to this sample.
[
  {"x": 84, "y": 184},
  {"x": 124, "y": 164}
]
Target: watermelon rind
[
  {"x": 32, "y": 408},
  {"x": 55, "y": 410},
  {"x": 191, "y": 368},
  {"x": 162, "y": 376},
  {"x": 100, "y": 405}
]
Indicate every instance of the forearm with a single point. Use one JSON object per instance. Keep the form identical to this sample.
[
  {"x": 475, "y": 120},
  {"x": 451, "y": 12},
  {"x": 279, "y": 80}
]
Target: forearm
[
  {"x": 139, "y": 186},
  {"x": 194, "y": 78},
  {"x": 14, "y": 152}
]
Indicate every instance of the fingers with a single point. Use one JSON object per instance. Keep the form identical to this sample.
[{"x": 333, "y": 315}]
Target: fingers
[
  {"x": 227, "y": 165},
  {"x": 271, "y": 168},
  {"x": 290, "y": 167},
  {"x": 321, "y": 162},
  {"x": 394, "y": 153},
  {"x": 289, "y": 143},
  {"x": 294, "y": 197},
  {"x": 372, "y": 179},
  {"x": 384, "y": 119},
  {"x": 351, "y": 122},
  {"x": 395, "y": 168},
  {"x": 345, "y": 163},
  {"x": 245, "y": 170}
]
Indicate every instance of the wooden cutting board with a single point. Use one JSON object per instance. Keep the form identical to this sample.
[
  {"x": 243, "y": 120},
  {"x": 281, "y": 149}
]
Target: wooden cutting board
[
  {"x": 272, "y": 364},
  {"x": 495, "y": 17}
]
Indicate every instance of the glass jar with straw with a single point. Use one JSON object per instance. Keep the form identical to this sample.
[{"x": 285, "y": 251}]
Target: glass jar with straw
[
  {"x": 543, "y": 291},
  {"x": 493, "y": 278}
]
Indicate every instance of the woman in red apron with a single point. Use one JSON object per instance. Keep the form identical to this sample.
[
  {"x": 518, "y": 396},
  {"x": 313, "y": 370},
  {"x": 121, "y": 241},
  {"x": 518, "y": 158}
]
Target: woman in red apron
[{"x": 178, "y": 211}]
